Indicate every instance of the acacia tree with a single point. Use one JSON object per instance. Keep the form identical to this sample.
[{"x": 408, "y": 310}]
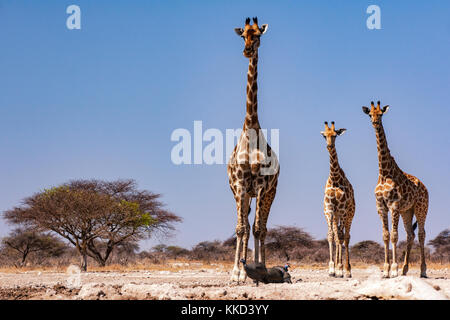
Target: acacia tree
[
  {"x": 441, "y": 246},
  {"x": 286, "y": 240},
  {"x": 26, "y": 242},
  {"x": 367, "y": 251},
  {"x": 95, "y": 216}
]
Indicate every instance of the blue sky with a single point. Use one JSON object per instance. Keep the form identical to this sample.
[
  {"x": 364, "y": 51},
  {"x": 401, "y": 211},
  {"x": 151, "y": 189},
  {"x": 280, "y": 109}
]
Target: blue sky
[{"x": 102, "y": 102}]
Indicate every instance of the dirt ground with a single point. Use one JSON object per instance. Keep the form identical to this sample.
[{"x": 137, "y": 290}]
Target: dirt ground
[{"x": 190, "y": 282}]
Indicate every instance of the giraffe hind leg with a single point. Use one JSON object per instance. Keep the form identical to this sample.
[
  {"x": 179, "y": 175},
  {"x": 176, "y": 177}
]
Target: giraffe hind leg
[
  {"x": 242, "y": 230},
  {"x": 420, "y": 212},
  {"x": 407, "y": 221},
  {"x": 264, "y": 203}
]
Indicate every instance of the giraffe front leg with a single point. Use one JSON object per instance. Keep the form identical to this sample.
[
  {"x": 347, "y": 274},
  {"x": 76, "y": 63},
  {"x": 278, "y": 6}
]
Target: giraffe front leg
[
  {"x": 338, "y": 243},
  {"x": 242, "y": 226},
  {"x": 265, "y": 210},
  {"x": 236, "y": 270},
  {"x": 407, "y": 222},
  {"x": 245, "y": 237},
  {"x": 348, "y": 268},
  {"x": 331, "y": 270},
  {"x": 243, "y": 274},
  {"x": 383, "y": 213},
  {"x": 394, "y": 240},
  {"x": 330, "y": 237},
  {"x": 423, "y": 265}
]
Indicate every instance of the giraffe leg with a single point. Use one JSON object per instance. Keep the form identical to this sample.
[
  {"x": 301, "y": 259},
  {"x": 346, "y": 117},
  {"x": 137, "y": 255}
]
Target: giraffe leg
[
  {"x": 245, "y": 237},
  {"x": 420, "y": 211},
  {"x": 394, "y": 239},
  {"x": 264, "y": 202},
  {"x": 331, "y": 270},
  {"x": 338, "y": 242},
  {"x": 383, "y": 213},
  {"x": 257, "y": 227},
  {"x": 329, "y": 216},
  {"x": 340, "y": 265},
  {"x": 266, "y": 205},
  {"x": 262, "y": 248},
  {"x": 423, "y": 265},
  {"x": 350, "y": 213},
  {"x": 348, "y": 269},
  {"x": 407, "y": 222},
  {"x": 242, "y": 225}
]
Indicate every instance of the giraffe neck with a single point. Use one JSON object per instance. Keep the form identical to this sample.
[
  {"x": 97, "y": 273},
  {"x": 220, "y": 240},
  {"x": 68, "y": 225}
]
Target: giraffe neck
[
  {"x": 385, "y": 161},
  {"x": 335, "y": 169},
  {"x": 251, "y": 118}
]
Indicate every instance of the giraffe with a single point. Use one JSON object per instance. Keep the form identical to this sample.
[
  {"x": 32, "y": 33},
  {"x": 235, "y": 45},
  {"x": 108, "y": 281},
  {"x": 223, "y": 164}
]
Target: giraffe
[
  {"x": 339, "y": 206},
  {"x": 253, "y": 167},
  {"x": 400, "y": 193}
]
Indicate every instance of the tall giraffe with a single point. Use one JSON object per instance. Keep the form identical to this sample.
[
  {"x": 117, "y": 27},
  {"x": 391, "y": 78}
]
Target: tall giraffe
[
  {"x": 339, "y": 206},
  {"x": 253, "y": 168},
  {"x": 400, "y": 193}
]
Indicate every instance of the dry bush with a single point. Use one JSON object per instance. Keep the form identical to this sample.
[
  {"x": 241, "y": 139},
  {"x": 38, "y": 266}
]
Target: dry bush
[
  {"x": 367, "y": 252},
  {"x": 441, "y": 246},
  {"x": 211, "y": 251}
]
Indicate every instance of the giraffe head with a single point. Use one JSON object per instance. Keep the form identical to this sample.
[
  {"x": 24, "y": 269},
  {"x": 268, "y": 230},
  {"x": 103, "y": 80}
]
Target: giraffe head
[
  {"x": 375, "y": 113},
  {"x": 331, "y": 133},
  {"x": 251, "y": 35}
]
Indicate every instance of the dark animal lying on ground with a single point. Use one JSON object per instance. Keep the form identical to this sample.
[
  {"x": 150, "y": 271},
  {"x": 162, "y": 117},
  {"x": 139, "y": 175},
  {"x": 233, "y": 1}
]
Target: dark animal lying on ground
[
  {"x": 279, "y": 274},
  {"x": 255, "y": 271},
  {"x": 259, "y": 273}
]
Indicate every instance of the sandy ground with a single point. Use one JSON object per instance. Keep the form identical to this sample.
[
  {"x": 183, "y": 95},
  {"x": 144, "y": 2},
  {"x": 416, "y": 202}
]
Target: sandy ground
[{"x": 214, "y": 284}]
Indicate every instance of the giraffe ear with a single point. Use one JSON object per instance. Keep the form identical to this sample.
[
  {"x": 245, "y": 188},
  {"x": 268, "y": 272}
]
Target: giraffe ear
[
  {"x": 385, "y": 109},
  {"x": 366, "y": 110},
  {"x": 322, "y": 133},
  {"x": 340, "y": 131},
  {"x": 239, "y": 31},
  {"x": 264, "y": 28}
]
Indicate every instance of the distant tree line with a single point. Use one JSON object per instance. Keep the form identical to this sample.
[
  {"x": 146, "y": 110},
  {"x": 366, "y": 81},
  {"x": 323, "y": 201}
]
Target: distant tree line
[
  {"x": 283, "y": 244},
  {"x": 94, "y": 221}
]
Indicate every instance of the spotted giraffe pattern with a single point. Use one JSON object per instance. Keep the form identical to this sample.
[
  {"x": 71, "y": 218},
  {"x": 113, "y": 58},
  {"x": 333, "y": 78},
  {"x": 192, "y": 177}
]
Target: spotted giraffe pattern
[
  {"x": 249, "y": 161},
  {"x": 400, "y": 193},
  {"x": 339, "y": 206}
]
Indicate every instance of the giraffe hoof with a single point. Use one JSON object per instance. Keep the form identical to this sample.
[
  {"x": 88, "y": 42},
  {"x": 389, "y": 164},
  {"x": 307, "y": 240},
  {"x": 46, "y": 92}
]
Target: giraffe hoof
[
  {"x": 242, "y": 277},
  {"x": 394, "y": 270},
  {"x": 235, "y": 276},
  {"x": 348, "y": 275},
  {"x": 404, "y": 270},
  {"x": 423, "y": 275},
  {"x": 332, "y": 274},
  {"x": 386, "y": 269}
]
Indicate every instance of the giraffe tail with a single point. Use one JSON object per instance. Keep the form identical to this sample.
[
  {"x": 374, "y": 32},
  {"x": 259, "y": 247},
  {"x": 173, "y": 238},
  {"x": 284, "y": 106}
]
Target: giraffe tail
[{"x": 414, "y": 226}]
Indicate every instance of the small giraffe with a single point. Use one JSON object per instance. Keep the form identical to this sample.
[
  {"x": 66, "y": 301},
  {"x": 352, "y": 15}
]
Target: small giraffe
[
  {"x": 253, "y": 168},
  {"x": 400, "y": 193},
  {"x": 339, "y": 206}
]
